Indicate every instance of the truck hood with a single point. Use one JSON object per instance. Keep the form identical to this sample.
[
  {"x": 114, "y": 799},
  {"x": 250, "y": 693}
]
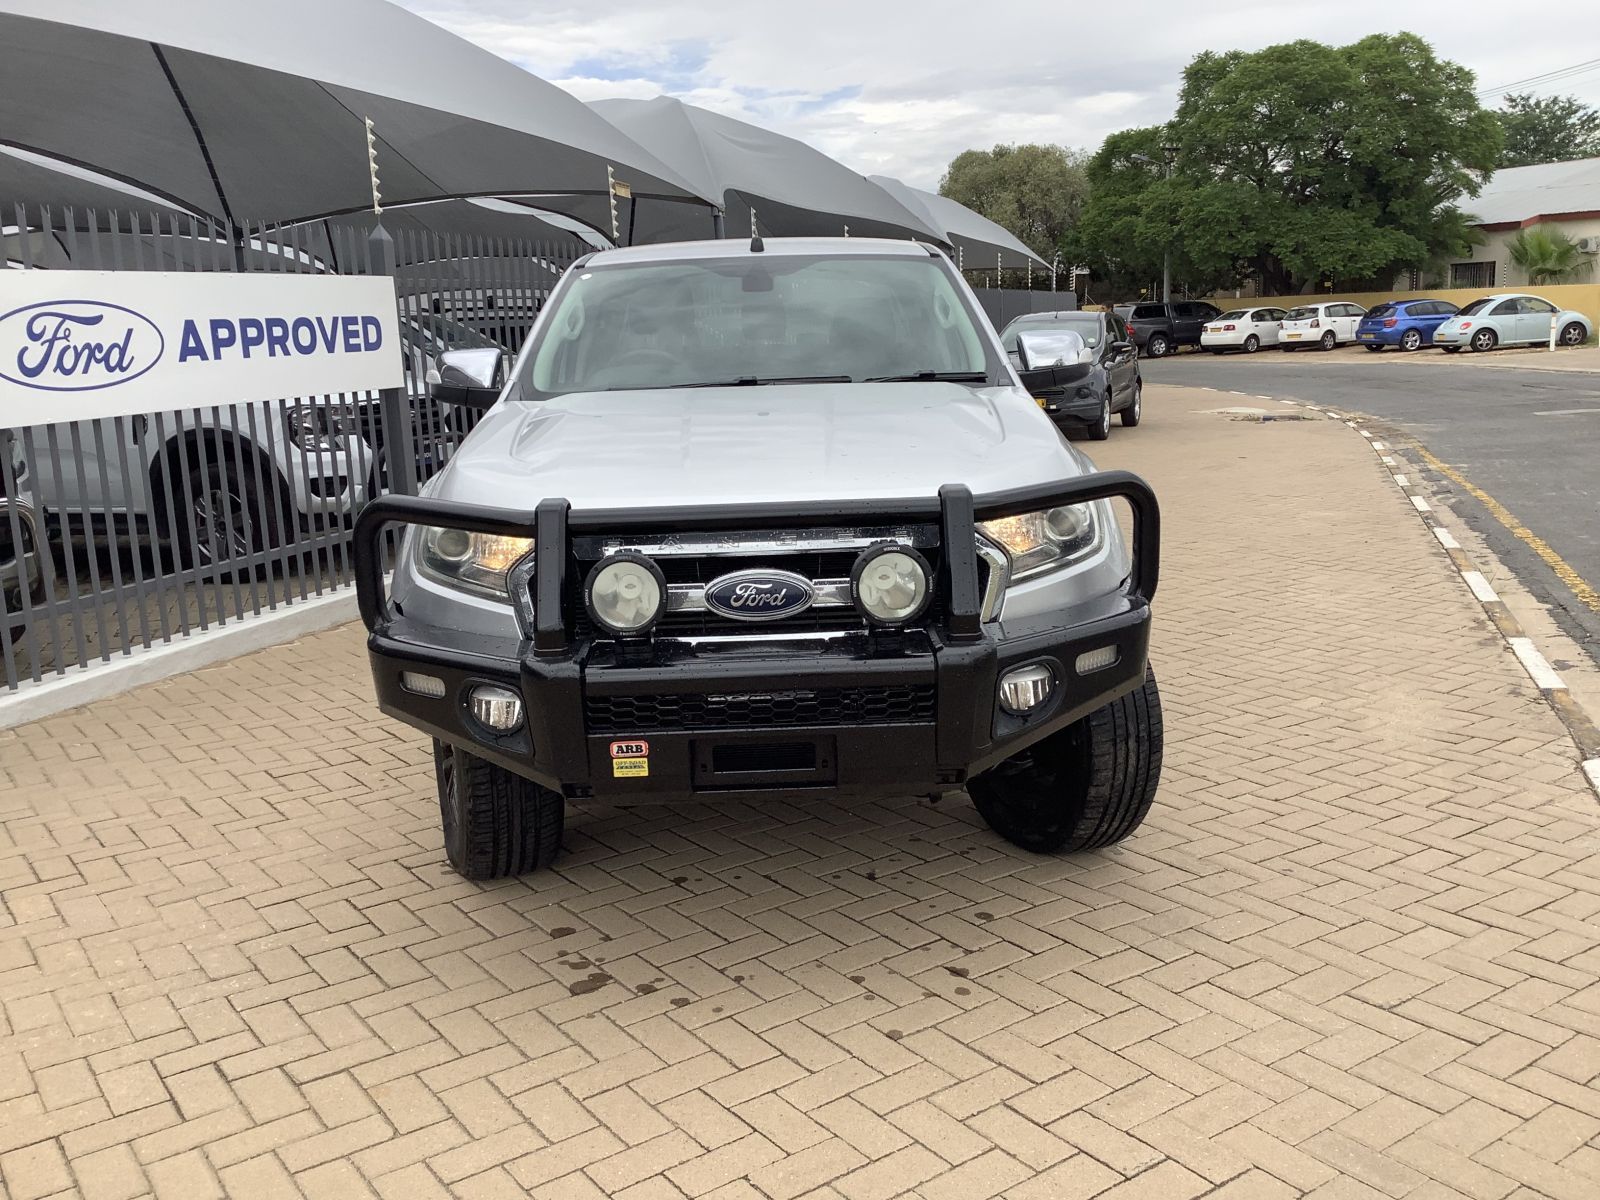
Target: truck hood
[{"x": 792, "y": 442}]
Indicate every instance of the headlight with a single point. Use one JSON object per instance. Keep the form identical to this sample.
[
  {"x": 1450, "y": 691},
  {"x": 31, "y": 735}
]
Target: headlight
[
  {"x": 1040, "y": 541},
  {"x": 473, "y": 562},
  {"x": 626, "y": 593},
  {"x": 889, "y": 583},
  {"x": 320, "y": 427}
]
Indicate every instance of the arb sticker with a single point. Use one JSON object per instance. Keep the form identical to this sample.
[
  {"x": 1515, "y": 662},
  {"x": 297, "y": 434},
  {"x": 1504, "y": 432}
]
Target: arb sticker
[{"x": 630, "y": 760}]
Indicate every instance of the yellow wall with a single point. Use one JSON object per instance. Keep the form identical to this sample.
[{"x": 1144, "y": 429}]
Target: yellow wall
[{"x": 1582, "y": 297}]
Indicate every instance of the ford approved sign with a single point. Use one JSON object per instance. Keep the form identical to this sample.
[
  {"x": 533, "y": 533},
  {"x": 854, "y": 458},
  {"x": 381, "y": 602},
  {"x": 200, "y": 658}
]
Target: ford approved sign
[{"x": 80, "y": 345}]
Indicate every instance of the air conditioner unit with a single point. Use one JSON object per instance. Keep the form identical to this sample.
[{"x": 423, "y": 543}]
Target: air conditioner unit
[{"x": 1588, "y": 245}]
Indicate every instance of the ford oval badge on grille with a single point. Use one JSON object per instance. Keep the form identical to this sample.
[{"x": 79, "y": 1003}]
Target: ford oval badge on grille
[{"x": 759, "y": 595}]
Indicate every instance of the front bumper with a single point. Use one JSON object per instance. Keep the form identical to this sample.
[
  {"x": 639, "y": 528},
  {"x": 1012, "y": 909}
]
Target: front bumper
[{"x": 859, "y": 714}]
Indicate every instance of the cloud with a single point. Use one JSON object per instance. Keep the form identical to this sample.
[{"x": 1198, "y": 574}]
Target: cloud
[{"x": 897, "y": 88}]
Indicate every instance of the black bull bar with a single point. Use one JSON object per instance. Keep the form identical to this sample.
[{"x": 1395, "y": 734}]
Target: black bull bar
[{"x": 957, "y": 511}]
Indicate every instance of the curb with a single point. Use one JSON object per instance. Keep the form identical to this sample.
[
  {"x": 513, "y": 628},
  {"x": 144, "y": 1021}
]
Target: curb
[
  {"x": 62, "y": 693},
  {"x": 1580, "y": 726}
]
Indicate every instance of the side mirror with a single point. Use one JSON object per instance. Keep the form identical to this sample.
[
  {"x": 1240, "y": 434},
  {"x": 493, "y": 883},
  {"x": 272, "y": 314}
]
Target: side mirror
[{"x": 470, "y": 377}]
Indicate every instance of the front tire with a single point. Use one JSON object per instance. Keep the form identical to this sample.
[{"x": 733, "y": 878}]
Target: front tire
[
  {"x": 224, "y": 518},
  {"x": 1084, "y": 787},
  {"x": 1134, "y": 413},
  {"x": 1100, "y": 428},
  {"x": 1483, "y": 340},
  {"x": 496, "y": 823},
  {"x": 1159, "y": 345},
  {"x": 1572, "y": 334}
]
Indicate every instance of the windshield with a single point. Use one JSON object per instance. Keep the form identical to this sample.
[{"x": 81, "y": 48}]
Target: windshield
[
  {"x": 1476, "y": 306},
  {"x": 1085, "y": 325},
  {"x": 1300, "y": 314},
  {"x": 756, "y": 319}
]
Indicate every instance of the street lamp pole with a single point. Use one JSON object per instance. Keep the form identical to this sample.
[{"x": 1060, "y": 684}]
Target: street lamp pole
[{"x": 1168, "y": 154}]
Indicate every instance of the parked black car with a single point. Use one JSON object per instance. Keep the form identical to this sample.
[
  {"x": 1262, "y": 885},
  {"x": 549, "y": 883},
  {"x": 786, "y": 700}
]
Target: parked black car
[
  {"x": 1083, "y": 395},
  {"x": 1159, "y": 328}
]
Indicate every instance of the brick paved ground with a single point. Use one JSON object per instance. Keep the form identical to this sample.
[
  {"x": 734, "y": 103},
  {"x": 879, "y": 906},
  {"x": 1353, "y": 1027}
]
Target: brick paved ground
[{"x": 1352, "y": 954}]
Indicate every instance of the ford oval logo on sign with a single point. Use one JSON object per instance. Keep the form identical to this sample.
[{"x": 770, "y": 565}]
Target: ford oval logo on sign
[
  {"x": 759, "y": 595},
  {"x": 77, "y": 345}
]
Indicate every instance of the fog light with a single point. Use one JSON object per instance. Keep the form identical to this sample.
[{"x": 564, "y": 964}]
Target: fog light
[
  {"x": 1095, "y": 660},
  {"x": 625, "y": 594},
  {"x": 422, "y": 685},
  {"x": 889, "y": 583},
  {"x": 496, "y": 708},
  {"x": 1025, "y": 688}
]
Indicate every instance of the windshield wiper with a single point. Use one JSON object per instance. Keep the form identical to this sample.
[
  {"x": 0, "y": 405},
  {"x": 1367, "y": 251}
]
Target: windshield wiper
[
  {"x": 755, "y": 381},
  {"x": 933, "y": 377}
]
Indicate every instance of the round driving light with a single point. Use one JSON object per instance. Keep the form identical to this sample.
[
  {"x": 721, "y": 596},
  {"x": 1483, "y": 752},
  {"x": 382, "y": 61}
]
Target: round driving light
[
  {"x": 496, "y": 708},
  {"x": 625, "y": 594},
  {"x": 1022, "y": 690},
  {"x": 890, "y": 584}
]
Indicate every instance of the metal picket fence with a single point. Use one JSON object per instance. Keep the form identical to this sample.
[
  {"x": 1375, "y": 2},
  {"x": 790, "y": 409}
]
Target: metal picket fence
[{"x": 121, "y": 534}]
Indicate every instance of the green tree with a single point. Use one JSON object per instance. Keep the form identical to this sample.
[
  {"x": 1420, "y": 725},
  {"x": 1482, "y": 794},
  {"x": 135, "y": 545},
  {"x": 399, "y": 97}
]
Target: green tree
[
  {"x": 1034, "y": 191},
  {"x": 1555, "y": 129},
  {"x": 1546, "y": 256},
  {"x": 1299, "y": 164}
]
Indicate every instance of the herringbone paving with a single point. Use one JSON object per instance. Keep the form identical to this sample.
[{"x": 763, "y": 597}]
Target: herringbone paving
[{"x": 1351, "y": 954}]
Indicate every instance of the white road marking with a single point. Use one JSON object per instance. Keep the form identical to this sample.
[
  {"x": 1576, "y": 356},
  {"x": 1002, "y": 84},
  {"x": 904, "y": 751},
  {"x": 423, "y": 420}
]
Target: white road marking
[
  {"x": 1446, "y": 538},
  {"x": 1539, "y": 670},
  {"x": 1402, "y": 481},
  {"x": 1379, "y": 446},
  {"x": 1480, "y": 586},
  {"x": 1566, "y": 412},
  {"x": 1591, "y": 771},
  {"x": 1364, "y": 433},
  {"x": 1387, "y": 461},
  {"x": 1420, "y": 504}
]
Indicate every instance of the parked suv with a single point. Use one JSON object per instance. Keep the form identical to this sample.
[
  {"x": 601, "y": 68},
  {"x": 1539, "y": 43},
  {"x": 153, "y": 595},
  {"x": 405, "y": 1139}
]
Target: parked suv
[
  {"x": 1160, "y": 328},
  {"x": 1109, "y": 382},
  {"x": 757, "y": 520}
]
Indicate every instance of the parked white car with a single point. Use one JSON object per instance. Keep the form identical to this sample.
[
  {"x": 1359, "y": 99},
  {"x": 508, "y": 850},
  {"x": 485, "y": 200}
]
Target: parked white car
[
  {"x": 1246, "y": 329},
  {"x": 1327, "y": 325}
]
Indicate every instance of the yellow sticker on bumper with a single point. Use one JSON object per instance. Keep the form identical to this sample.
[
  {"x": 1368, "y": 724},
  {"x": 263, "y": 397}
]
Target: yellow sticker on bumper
[{"x": 630, "y": 768}]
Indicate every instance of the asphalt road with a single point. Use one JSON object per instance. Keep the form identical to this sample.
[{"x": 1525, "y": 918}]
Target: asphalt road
[{"x": 1529, "y": 438}]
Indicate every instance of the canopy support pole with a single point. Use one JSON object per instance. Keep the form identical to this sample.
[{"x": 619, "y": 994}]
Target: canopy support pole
[
  {"x": 717, "y": 230},
  {"x": 400, "y": 449}
]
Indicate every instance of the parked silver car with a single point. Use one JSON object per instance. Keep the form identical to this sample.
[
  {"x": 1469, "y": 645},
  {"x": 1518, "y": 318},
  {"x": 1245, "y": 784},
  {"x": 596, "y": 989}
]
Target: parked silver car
[{"x": 757, "y": 519}]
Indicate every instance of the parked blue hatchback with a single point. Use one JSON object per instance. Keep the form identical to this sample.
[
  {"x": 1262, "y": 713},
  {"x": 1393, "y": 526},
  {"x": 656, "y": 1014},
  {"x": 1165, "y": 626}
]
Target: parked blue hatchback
[{"x": 1408, "y": 324}]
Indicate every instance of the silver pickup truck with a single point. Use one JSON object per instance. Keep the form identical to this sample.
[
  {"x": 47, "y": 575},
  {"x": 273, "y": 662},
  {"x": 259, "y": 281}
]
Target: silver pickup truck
[{"x": 767, "y": 519}]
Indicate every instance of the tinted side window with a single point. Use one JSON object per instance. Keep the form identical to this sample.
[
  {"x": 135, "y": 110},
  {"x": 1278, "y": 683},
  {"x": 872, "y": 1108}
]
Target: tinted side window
[
  {"x": 1532, "y": 304},
  {"x": 1506, "y": 308},
  {"x": 1148, "y": 312},
  {"x": 1422, "y": 308}
]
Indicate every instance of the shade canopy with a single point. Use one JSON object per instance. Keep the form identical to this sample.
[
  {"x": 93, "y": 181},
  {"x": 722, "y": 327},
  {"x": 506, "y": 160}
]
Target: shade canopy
[
  {"x": 253, "y": 113},
  {"x": 797, "y": 191},
  {"x": 977, "y": 238}
]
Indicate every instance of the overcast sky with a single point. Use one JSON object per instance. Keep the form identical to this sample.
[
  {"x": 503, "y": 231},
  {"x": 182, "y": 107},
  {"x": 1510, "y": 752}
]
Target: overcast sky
[{"x": 898, "y": 88}]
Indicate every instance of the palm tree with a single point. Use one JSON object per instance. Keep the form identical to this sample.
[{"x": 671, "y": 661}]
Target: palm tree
[{"x": 1546, "y": 256}]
